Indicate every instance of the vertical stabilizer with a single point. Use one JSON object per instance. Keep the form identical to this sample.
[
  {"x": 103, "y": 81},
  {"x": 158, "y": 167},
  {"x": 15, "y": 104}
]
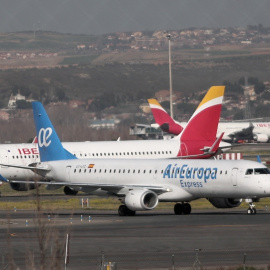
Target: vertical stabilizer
[
  {"x": 163, "y": 119},
  {"x": 203, "y": 124},
  {"x": 50, "y": 147}
]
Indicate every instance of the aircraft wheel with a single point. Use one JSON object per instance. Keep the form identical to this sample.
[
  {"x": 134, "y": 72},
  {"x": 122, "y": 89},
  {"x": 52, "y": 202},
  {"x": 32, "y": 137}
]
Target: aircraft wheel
[
  {"x": 187, "y": 209},
  {"x": 178, "y": 209},
  {"x": 124, "y": 211},
  {"x": 251, "y": 211},
  {"x": 121, "y": 210}
]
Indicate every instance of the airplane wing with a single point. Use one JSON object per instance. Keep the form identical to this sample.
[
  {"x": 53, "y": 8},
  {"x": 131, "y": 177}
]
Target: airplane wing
[
  {"x": 39, "y": 170},
  {"x": 106, "y": 187}
]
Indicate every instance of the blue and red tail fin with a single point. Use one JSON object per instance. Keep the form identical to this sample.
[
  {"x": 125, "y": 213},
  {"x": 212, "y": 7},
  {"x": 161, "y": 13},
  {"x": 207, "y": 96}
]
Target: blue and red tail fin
[
  {"x": 203, "y": 124},
  {"x": 49, "y": 144},
  {"x": 163, "y": 119}
]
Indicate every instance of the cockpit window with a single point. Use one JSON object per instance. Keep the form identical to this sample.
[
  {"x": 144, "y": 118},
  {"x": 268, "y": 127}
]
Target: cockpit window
[
  {"x": 261, "y": 171},
  {"x": 258, "y": 171},
  {"x": 249, "y": 171}
]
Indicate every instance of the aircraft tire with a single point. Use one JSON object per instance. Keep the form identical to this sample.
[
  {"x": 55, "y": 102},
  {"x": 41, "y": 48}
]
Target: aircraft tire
[
  {"x": 124, "y": 211},
  {"x": 121, "y": 210},
  {"x": 251, "y": 211},
  {"x": 187, "y": 209},
  {"x": 178, "y": 209}
]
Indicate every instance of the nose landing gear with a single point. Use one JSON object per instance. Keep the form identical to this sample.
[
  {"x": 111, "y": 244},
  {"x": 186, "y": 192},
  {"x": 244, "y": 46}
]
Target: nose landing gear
[{"x": 251, "y": 210}]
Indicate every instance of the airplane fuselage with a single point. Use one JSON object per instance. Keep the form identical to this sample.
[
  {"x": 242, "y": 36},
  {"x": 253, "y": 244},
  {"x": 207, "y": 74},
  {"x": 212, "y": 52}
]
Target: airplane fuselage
[{"x": 184, "y": 180}]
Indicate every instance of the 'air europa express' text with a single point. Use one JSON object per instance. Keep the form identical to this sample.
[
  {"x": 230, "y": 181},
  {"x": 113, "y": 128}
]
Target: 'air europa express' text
[{"x": 186, "y": 172}]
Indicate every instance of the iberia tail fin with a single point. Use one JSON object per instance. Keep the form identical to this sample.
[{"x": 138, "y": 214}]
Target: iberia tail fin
[
  {"x": 50, "y": 147},
  {"x": 203, "y": 124},
  {"x": 163, "y": 119}
]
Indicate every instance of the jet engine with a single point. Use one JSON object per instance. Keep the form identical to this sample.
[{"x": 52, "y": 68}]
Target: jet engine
[
  {"x": 141, "y": 200},
  {"x": 261, "y": 138},
  {"x": 22, "y": 187},
  {"x": 70, "y": 191},
  {"x": 225, "y": 202}
]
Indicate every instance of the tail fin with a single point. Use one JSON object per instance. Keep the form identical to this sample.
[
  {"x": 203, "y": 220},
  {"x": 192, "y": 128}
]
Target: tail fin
[
  {"x": 50, "y": 147},
  {"x": 164, "y": 120},
  {"x": 203, "y": 124}
]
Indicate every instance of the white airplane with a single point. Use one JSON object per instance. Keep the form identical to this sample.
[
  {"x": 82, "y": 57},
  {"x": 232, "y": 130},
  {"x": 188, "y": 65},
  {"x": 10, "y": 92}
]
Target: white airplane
[
  {"x": 141, "y": 184},
  {"x": 233, "y": 131},
  {"x": 197, "y": 140}
]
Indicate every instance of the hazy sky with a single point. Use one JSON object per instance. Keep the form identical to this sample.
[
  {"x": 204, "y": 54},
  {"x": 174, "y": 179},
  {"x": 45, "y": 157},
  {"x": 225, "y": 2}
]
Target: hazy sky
[{"x": 108, "y": 16}]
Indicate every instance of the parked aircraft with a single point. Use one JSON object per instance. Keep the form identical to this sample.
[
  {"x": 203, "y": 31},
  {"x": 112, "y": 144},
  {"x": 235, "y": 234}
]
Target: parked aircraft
[
  {"x": 233, "y": 131},
  {"x": 141, "y": 184},
  {"x": 198, "y": 140}
]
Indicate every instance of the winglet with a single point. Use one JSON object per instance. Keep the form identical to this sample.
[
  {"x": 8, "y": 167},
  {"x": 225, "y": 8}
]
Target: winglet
[
  {"x": 163, "y": 119},
  {"x": 2, "y": 178},
  {"x": 215, "y": 146},
  {"x": 50, "y": 147}
]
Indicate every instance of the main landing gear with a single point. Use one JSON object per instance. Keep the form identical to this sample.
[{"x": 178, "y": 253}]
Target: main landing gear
[
  {"x": 251, "y": 210},
  {"x": 182, "y": 209},
  {"x": 124, "y": 211}
]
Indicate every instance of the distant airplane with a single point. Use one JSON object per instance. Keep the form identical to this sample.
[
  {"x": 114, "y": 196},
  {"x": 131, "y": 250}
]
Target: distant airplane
[
  {"x": 141, "y": 184},
  {"x": 198, "y": 140},
  {"x": 233, "y": 131}
]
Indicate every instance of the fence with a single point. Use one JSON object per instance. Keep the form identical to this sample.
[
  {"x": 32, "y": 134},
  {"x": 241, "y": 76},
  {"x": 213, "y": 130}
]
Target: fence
[{"x": 195, "y": 259}]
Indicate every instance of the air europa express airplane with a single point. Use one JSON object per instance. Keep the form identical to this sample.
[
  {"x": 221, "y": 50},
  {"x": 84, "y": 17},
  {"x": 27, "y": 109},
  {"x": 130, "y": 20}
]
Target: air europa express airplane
[
  {"x": 233, "y": 131},
  {"x": 197, "y": 140},
  {"x": 141, "y": 184}
]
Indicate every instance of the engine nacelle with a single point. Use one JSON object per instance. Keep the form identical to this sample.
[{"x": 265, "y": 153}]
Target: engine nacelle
[
  {"x": 70, "y": 191},
  {"x": 22, "y": 187},
  {"x": 225, "y": 202},
  {"x": 138, "y": 200},
  {"x": 261, "y": 138}
]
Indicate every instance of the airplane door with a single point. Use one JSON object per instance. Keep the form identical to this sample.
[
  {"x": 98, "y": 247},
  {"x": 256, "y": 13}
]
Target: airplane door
[
  {"x": 234, "y": 176},
  {"x": 68, "y": 168}
]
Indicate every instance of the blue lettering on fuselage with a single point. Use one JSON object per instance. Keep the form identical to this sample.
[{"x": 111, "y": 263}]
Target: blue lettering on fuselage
[{"x": 185, "y": 173}]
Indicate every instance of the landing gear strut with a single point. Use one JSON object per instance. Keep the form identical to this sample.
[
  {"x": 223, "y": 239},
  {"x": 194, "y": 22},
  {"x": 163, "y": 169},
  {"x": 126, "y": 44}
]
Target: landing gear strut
[
  {"x": 251, "y": 210},
  {"x": 124, "y": 211},
  {"x": 182, "y": 209}
]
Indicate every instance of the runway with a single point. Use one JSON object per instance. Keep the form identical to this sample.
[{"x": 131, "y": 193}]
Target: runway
[{"x": 149, "y": 240}]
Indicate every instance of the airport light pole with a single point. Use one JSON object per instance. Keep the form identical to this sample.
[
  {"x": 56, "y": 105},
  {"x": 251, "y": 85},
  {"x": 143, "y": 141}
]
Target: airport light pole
[{"x": 170, "y": 74}]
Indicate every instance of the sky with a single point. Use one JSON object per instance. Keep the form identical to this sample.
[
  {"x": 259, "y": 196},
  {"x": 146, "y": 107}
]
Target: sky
[{"x": 95, "y": 17}]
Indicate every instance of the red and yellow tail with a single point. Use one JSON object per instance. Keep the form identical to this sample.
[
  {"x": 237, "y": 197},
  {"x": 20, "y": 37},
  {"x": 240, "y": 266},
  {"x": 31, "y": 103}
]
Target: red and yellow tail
[
  {"x": 203, "y": 124},
  {"x": 163, "y": 119}
]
